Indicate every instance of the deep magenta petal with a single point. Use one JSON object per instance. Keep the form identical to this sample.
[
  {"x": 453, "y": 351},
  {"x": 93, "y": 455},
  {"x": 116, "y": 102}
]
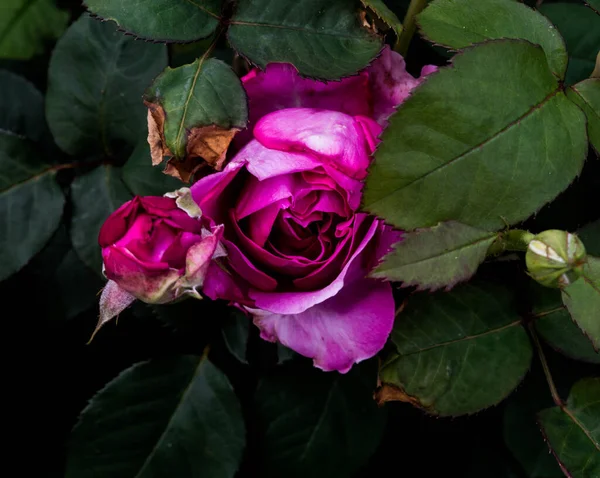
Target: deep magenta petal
[
  {"x": 297, "y": 302},
  {"x": 209, "y": 192},
  {"x": 280, "y": 86},
  {"x": 246, "y": 269},
  {"x": 118, "y": 222}
]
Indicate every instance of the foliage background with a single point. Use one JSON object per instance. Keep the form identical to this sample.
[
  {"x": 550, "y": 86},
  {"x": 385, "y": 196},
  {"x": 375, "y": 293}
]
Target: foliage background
[{"x": 53, "y": 312}]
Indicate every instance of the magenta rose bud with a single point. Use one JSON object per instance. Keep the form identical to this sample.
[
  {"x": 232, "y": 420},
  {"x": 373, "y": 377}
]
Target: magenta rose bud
[
  {"x": 299, "y": 251},
  {"x": 158, "y": 248}
]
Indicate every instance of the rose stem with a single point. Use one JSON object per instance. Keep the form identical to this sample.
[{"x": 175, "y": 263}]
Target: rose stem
[
  {"x": 409, "y": 25},
  {"x": 536, "y": 342}
]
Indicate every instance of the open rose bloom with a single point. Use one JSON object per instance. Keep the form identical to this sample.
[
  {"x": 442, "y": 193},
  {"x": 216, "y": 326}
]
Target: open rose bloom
[{"x": 298, "y": 251}]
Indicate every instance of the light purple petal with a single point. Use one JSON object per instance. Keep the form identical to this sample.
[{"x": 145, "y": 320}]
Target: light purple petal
[
  {"x": 391, "y": 84},
  {"x": 351, "y": 326},
  {"x": 335, "y": 137},
  {"x": 266, "y": 163}
]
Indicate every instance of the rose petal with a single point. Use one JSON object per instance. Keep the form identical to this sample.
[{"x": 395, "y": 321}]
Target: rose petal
[
  {"x": 267, "y": 260},
  {"x": 149, "y": 282},
  {"x": 208, "y": 191},
  {"x": 390, "y": 83},
  {"x": 220, "y": 284},
  {"x": 349, "y": 327},
  {"x": 245, "y": 268},
  {"x": 266, "y": 163},
  {"x": 336, "y": 137},
  {"x": 261, "y": 222},
  {"x": 118, "y": 223},
  {"x": 256, "y": 194},
  {"x": 280, "y": 86},
  {"x": 297, "y": 302}
]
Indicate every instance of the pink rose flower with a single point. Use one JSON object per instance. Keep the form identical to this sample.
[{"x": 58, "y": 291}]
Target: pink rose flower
[
  {"x": 298, "y": 250},
  {"x": 158, "y": 248}
]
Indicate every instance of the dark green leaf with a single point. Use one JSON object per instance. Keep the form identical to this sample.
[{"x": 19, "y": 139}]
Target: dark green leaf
[
  {"x": 161, "y": 20},
  {"x": 236, "y": 327},
  {"x": 586, "y": 94},
  {"x": 172, "y": 417},
  {"x": 486, "y": 142},
  {"x": 457, "y": 352},
  {"x": 318, "y": 424},
  {"x": 590, "y": 235},
  {"x": 384, "y": 13},
  {"x": 206, "y": 92},
  {"x": 573, "y": 430},
  {"x": 95, "y": 196},
  {"x": 460, "y": 23},
  {"x": 582, "y": 299},
  {"x": 284, "y": 354},
  {"x": 144, "y": 179},
  {"x": 438, "y": 257},
  {"x": 522, "y": 433},
  {"x": 555, "y": 326},
  {"x": 31, "y": 203},
  {"x": 321, "y": 38},
  {"x": 26, "y": 24},
  {"x": 95, "y": 83},
  {"x": 75, "y": 285},
  {"x": 21, "y": 107},
  {"x": 594, "y": 5},
  {"x": 580, "y": 27}
]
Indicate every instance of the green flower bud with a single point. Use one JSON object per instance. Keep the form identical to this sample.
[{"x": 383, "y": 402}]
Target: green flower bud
[{"x": 555, "y": 258}]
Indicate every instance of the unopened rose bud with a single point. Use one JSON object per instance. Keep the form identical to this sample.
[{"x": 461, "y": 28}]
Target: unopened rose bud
[
  {"x": 555, "y": 258},
  {"x": 156, "y": 249}
]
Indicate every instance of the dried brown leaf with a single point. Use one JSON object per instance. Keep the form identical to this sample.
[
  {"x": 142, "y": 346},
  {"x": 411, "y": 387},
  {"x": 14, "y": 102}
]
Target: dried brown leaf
[
  {"x": 210, "y": 143},
  {"x": 156, "y": 135},
  {"x": 390, "y": 393}
]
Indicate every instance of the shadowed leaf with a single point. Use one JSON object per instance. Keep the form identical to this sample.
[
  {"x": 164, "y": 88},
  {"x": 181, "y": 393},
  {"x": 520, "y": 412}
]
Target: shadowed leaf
[
  {"x": 95, "y": 196},
  {"x": 582, "y": 299},
  {"x": 26, "y": 24},
  {"x": 460, "y": 23},
  {"x": 161, "y": 20},
  {"x": 573, "y": 430},
  {"x": 456, "y": 352},
  {"x": 318, "y": 424},
  {"x": 95, "y": 82},
  {"x": 31, "y": 203},
  {"x": 177, "y": 416},
  {"x": 586, "y": 95},
  {"x": 580, "y": 28},
  {"x": 554, "y": 325}
]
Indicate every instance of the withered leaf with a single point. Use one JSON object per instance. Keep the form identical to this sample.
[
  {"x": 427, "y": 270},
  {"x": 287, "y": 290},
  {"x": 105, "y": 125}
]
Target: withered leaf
[
  {"x": 184, "y": 169},
  {"x": 210, "y": 143},
  {"x": 206, "y": 148},
  {"x": 391, "y": 393},
  {"x": 156, "y": 136}
]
